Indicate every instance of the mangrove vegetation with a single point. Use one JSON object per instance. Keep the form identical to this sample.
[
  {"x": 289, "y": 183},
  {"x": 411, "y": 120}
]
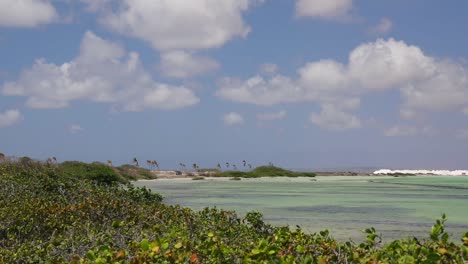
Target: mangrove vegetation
[{"x": 89, "y": 214}]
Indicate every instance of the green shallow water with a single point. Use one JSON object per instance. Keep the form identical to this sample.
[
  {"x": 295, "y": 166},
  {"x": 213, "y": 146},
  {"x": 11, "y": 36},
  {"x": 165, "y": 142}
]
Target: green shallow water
[{"x": 396, "y": 207}]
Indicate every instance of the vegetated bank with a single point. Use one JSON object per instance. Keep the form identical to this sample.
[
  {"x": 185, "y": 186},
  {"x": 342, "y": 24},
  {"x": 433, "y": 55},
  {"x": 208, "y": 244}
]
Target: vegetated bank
[
  {"x": 263, "y": 171},
  {"x": 48, "y": 215},
  {"x": 102, "y": 172}
]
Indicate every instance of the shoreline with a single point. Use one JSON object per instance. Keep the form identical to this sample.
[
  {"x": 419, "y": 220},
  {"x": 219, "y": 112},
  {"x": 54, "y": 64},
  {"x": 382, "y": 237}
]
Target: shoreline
[
  {"x": 318, "y": 177},
  {"x": 278, "y": 172}
]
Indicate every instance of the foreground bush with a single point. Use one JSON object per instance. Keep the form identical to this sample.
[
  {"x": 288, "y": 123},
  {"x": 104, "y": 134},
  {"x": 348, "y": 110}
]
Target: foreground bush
[{"x": 53, "y": 218}]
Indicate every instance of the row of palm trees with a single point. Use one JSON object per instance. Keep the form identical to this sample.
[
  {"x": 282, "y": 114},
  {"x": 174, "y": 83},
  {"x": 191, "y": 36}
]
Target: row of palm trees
[
  {"x": 153, "y": 164},
  {"x": 234, "y": 166},
  {"x": 50, "y": 160}
]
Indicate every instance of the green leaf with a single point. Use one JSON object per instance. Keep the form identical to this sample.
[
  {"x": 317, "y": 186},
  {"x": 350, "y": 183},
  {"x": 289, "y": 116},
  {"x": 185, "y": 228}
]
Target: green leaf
[
  {"x": 116, "y": 224},
  {"x": 300, "y": 249},
  {"x": 144, "y": 244},
  {"x": 445, "y": 237},
  {"x": 165, "y": 245},
  {"x": 90, "y": 255},
  {"x": 433, "y": 257}
]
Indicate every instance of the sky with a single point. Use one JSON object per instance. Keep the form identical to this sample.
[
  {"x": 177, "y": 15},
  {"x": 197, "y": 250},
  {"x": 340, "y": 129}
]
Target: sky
[{"x": 299, "y": 83}]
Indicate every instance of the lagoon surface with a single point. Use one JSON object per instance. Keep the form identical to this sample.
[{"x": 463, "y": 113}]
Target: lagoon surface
[{"x": 396, "y": 207}]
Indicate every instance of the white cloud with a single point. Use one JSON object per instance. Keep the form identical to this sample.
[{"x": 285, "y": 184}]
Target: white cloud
[
  {"x": 444, "y": 90},
  {"x": 232, "y": 119},
  {"x": 26, "y": 13},
  {"x": 259, "y": 91},
  {"x": 328, "y": 9},
  {"x": 409, "y": 130},
  {"x": 10, "y": 117},
  {"x": 102, "y": 72},
  {"x": 272, "y": 116},
  {"x": 332, "y": 118},
  {"x": 385, "y": 26},
  {"x": 323, "y": 76},
  {"x": 74, "y": 128},
  {"x": 269, "y": 68},
  {"x": 426, "y": 83},
  {"x": 386, "y": 64},
  {"x": 177, "y": 28},
  {"x": 180, "y": 24},
  {"x": 182, "y": 64}
]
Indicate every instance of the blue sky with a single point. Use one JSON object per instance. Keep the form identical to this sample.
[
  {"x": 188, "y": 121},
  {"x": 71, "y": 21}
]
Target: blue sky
[{"x": 302, "y": 84}]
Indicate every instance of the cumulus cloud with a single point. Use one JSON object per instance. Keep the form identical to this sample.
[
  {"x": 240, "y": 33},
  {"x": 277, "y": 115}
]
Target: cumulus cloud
[
  {"x": 10, "y": 117},
  {"x": 74, "y": 128},
  {"x": 233, "y": 119},
  {"x": 335, "y": 119},
  {"x": 269, "y": 68},
  {"x": 177, "y": 28},
  {"x": 103, "y": 72},
  {"x": 426, "y": 83},
  {"x": 327, "y": 9},
  {"x": 384, "y": 26},
  {"x": 180, "y": 24},
  {"x": 445, "y": 89},
  {"x": 26, "y": 13},
  {"x": 258, "y": 90},
  {"x": 272, "y": 116},
  {"x": 182, "y": 64}
]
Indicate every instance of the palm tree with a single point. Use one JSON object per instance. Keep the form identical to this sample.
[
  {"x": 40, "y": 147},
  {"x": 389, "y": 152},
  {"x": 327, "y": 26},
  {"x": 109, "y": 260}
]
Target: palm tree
[
  {"x": 149, "y": 163},
  {"x": 234, "y": 167},
  {"x": 249, "y": 165},
  {"x": 227, "y": 164},
  {"x": 135, "y": 161},
  {"x": 244, "y": 162},
  {"x": 109, "y": 162},
  {"x": 218, "y": 166},
  {"x": 182, "y": 165},
  {"x": 155, "y": 164},
  {"x": 195, "y": 166}
]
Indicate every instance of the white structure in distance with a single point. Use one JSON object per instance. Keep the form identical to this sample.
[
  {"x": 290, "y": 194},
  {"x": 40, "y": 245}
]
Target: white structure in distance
[{"x": 424, "y": 172}]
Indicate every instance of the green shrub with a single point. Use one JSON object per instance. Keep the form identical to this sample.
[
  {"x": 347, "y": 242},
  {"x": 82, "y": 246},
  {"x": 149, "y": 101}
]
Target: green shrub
[
  {"x": 97, "y": 172},
  {"x": 264, "y": 171},
  {"x": 232, "y": 174},
  {"x": 131, "y": 172}
]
